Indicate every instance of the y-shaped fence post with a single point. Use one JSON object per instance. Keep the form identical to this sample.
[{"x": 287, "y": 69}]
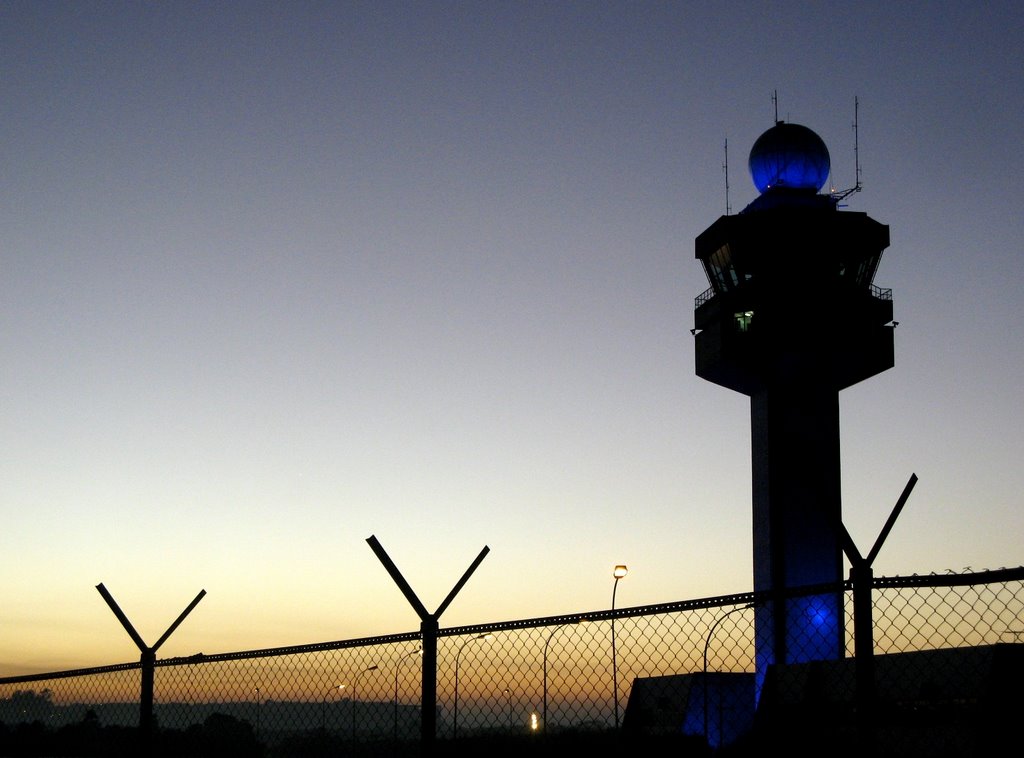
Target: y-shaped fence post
[
  {"x": 428, "y": 629},
  {"x": 147, "y": 662},
  {"x": 862, "y": 578}
]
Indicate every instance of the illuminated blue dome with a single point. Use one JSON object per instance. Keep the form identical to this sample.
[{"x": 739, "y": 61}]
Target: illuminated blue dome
[{"x": 790, "y": 157}]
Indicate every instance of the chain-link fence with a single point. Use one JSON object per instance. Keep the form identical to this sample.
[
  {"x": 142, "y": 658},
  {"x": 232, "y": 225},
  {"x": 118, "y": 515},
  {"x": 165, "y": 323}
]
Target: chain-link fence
[{"x": 944, "y": 680}]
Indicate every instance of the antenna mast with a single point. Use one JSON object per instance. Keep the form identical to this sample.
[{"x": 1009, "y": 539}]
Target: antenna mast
[
  {"x": 725, "y": 168},
  {"x": 838, "y": 196},
  {"x": 856, "y": 145}
]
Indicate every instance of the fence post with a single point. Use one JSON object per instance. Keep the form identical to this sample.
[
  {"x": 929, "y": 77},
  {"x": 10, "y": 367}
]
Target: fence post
[
  {"x": 428, "y": 630},
  {"x": 428, "y": 705},
  {"x": 147, "y": 662},
  {"x": 862, "y": 579},
  {"x": 146, "y": 723}
]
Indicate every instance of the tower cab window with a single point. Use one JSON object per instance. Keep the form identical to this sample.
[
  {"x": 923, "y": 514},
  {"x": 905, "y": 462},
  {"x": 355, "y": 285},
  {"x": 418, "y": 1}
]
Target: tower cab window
[
  {"x": 742, "y": 320},
  {"x": 720, "y": 270}
]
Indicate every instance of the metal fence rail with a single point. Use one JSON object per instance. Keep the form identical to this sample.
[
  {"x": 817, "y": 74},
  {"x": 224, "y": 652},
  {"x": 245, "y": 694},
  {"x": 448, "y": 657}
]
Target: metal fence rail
[{"x": 680, "y": 669}]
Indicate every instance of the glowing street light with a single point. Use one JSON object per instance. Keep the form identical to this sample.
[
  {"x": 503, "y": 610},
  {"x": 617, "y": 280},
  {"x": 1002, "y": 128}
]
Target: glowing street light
[
  {"x": 507, "y": 692},
  {"x": 455, "y": 708},
  {"x": 544, "y": 709},
  {"x": 707, "y": 644},
  {"x": 398, "y": 664},
  {"x": 355, "y": 684},
  {"x": 618, "y": 572},
  {"x": 323, "y": 703},
  {"x": 257, "y": 691}
]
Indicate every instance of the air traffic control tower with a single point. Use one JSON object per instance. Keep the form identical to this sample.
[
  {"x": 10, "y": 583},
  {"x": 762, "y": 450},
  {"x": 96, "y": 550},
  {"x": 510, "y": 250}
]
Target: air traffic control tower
[{"x": 791, "y": 318}]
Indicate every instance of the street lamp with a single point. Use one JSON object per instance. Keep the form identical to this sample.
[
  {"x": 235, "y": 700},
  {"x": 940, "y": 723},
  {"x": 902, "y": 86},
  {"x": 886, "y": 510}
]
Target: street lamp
[
  {"x": 508, "y": 697},
  {"x": 398, "y": 664},
  {"x": 355, "y": 684},
  {"x": 707, "y": 643},
  {"x": 455, "y": 708},
  {"x": 618, "y": 572},
  {"x": 544, "y": 709},
  {"x": 257, "y": 690},
  {"x": 323, "y": 703}
]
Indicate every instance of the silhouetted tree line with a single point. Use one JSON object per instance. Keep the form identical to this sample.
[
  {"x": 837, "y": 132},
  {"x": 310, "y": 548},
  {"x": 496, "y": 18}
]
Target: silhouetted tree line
[{"x": 219, "y": 735}]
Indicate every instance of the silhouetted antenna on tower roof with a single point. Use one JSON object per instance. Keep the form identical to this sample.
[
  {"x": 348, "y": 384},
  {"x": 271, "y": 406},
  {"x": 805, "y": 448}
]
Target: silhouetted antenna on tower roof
[
  {"x": 856, "y": 143},
  {"x": 725, "y": 168},
  {"x": 838, "y": 196}
]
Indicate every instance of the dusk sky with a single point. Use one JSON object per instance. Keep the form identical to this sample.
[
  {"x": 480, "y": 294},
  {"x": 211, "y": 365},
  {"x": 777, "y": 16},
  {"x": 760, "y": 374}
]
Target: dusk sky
[{"x": 277, "y": 277}]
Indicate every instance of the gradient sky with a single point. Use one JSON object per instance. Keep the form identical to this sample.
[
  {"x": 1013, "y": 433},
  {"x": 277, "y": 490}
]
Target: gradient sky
[{"x": 277, "y": 277}]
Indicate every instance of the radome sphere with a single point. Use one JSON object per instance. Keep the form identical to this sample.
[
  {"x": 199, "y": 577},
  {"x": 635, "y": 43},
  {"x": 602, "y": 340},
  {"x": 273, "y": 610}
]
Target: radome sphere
[{"x": 789, "y": 157}]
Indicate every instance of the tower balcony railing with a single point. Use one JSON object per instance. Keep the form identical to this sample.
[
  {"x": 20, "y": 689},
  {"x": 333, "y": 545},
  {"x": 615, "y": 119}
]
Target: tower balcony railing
[
  {"x": 703, "y": 297},
  {"x": 879, "y": 293}
]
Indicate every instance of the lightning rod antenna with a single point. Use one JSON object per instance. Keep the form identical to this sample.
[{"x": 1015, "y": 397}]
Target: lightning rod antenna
[
  {"x": 840, "y": 196},
  {"x": 775, "y": 102},
  {"x": 725, "y": 168},
  {"x": 856, "y": 146}
]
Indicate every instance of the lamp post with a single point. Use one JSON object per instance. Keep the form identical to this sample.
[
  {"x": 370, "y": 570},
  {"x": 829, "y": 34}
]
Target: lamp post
[
  {"x": 508, "y": 697},
  {"x": 398, "y": 664},
  {"x": 618, "y": 572},
  {"x": 323, "y": 703},
  {"x": 455, "y": 708},
  {"x": 544, "y": 708},
  {"x": 257, "y": 691},
  {"x": 707, "y": 644},
  {"x": 355, "y": 684}
]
